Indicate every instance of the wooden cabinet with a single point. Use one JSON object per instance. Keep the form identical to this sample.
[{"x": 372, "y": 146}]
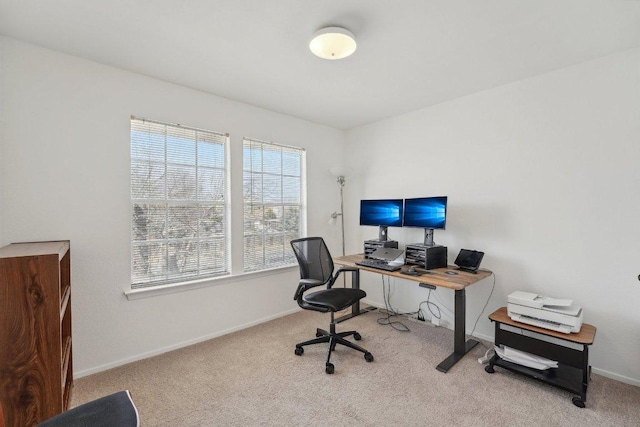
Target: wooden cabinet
[{"x": 36, "y": 369}]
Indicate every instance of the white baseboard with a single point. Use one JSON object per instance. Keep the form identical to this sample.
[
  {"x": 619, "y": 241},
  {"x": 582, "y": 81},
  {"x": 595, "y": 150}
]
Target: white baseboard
[
  {"x": 617, "y": 377},
  {"x": 483, "y": 337},
  {"x": 84, "y": 373},
  {"x": 105, "y": 367}
]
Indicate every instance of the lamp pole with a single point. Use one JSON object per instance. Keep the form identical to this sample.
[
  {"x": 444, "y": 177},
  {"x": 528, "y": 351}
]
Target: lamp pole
[
  {"x": 340, "y": 173},
  {"x": 341, "y": 182}
]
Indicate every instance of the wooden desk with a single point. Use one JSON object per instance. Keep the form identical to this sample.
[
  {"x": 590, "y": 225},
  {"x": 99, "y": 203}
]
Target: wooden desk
[{"x": 436, "y": 277}]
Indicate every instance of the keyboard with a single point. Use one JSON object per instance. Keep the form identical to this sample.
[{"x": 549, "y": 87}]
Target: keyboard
[{"x": 380, "y": 265}]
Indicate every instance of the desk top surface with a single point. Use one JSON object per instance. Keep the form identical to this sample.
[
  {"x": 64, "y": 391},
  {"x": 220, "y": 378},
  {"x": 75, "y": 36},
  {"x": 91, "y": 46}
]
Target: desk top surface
[{"x": 436, "y": 277}]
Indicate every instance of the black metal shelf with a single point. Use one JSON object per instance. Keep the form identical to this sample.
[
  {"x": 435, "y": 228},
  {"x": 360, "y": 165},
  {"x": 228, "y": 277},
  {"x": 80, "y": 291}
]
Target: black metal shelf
[{"x": 573, "y": 372}]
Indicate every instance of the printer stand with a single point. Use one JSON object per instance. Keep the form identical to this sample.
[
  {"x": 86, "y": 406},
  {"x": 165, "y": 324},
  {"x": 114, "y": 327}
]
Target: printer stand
[{"x": 573, "y": 372}]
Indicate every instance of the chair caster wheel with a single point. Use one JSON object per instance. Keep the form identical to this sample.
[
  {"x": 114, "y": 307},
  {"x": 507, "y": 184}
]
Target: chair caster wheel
[
  {"x": 489, "y": 369},
  {"x": 357, "y": 336},
  {"x": 368, "y": 357},
  {"x": 329, "y": 368},
  {"x": 318, "y": 334},
  {"x": 577, "y": 400},
  {"x": 299, "y": 351}
]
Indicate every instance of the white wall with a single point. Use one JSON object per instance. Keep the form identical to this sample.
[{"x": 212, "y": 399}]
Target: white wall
[
  {"x": 542, "y": 175},
  {"x": 65, "y": 175}
]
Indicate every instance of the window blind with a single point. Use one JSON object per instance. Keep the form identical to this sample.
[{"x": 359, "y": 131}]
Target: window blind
[
  {"x": 178, "y": 203},
  {"x": 273, "y": 191}
]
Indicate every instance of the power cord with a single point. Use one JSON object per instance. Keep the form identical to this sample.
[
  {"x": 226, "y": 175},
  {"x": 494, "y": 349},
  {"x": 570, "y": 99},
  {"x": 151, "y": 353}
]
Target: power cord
[
  {"x": 485, "y": 359},
  {"x": 437, "y": 314},
  {"x": 483, "y": 309},
  {"x": 390, "y": 312},
  {"x": 433, "y": 308}
]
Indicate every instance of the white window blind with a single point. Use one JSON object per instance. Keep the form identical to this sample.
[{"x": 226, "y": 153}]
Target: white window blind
[
  {"x": 178, "y": 203},
  {"x": 273, "y": 189}
]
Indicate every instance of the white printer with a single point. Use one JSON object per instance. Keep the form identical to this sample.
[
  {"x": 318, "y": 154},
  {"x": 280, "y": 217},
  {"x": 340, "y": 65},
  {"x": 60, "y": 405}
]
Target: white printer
[{"x": 549, "y": 313}]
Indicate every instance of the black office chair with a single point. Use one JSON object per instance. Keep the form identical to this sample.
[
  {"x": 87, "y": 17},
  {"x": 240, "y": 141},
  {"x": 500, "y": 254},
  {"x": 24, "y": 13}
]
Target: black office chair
[
  {"x": 116, "y": 409},
  {"x": 316, "y": 269}
]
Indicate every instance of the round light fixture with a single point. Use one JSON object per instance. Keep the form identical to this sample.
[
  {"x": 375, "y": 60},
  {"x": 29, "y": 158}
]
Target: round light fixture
[{"x": 333, "y": 43}]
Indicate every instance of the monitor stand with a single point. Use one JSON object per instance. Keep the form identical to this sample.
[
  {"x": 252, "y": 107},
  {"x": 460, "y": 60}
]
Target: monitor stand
[
  {"x": 428, "y": 237},
  {"x": 382, "y": 233}
]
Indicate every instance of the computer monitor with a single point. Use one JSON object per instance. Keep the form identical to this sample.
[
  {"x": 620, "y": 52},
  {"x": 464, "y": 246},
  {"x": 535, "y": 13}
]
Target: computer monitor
[
  {"x": 381, "y": 213},
  {"x": 426, "y": 212}
]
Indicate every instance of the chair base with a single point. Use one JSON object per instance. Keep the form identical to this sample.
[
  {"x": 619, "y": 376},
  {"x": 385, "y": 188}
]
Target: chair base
[{"x": 333, "y": 338}]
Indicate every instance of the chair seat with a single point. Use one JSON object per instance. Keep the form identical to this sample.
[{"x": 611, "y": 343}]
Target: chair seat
[
  {"x": 335, "y": 299},
  {"x": 116, "y": 409}
]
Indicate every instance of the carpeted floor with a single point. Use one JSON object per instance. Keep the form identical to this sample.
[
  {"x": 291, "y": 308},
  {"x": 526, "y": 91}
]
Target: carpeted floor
[{"x": 253, "y": 378}]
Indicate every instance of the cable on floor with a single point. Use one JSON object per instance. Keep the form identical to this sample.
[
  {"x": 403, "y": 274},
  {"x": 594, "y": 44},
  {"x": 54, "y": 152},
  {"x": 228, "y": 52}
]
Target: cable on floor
[
  {"x": 395, "y": 324},
  {"x": 431, "y": 306}
]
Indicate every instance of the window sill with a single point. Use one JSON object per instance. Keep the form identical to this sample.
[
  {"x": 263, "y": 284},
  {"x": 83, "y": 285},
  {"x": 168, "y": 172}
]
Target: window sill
[{"x": 152, "y": 291}]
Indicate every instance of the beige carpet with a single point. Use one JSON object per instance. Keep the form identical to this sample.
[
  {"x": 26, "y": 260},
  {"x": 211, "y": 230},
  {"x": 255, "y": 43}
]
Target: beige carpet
[{"x": 252, "y": 377}]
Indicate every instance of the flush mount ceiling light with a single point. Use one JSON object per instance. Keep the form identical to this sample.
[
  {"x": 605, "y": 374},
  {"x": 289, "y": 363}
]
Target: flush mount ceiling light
[{"x": 333, "y": 43}]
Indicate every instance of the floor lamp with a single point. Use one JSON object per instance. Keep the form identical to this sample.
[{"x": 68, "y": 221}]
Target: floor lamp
[{"x": 340, "y": 173}]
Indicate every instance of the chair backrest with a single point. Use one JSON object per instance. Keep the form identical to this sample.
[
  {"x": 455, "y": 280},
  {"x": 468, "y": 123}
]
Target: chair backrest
[{"x": 314, "y": 258}]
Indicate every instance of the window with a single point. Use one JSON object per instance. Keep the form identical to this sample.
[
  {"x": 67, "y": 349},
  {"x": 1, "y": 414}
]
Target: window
[
  {"x": 273, "y": 189},
  {"x": 178, "y": 203}
]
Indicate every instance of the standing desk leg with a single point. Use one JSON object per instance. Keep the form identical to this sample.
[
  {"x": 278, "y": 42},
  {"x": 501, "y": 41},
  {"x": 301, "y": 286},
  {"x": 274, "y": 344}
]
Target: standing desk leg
[
  {"x": 460, "y": 347},
  {"x": 355, "y": 308}
]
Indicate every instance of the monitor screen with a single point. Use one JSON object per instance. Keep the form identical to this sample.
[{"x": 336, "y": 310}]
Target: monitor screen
[
  {"x": 386, "y": 213},
  {"x": 425, "y": 212}
]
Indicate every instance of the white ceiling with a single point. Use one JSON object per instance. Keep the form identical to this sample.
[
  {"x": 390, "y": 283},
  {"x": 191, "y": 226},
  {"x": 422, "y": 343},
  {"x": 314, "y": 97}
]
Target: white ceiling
[{"x": 411, "y": 53}]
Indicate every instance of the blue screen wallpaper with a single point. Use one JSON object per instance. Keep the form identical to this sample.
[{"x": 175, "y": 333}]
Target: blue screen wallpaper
[
  {"x": 427, "y": 212},
  {"x": 381, "y": 212}
]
